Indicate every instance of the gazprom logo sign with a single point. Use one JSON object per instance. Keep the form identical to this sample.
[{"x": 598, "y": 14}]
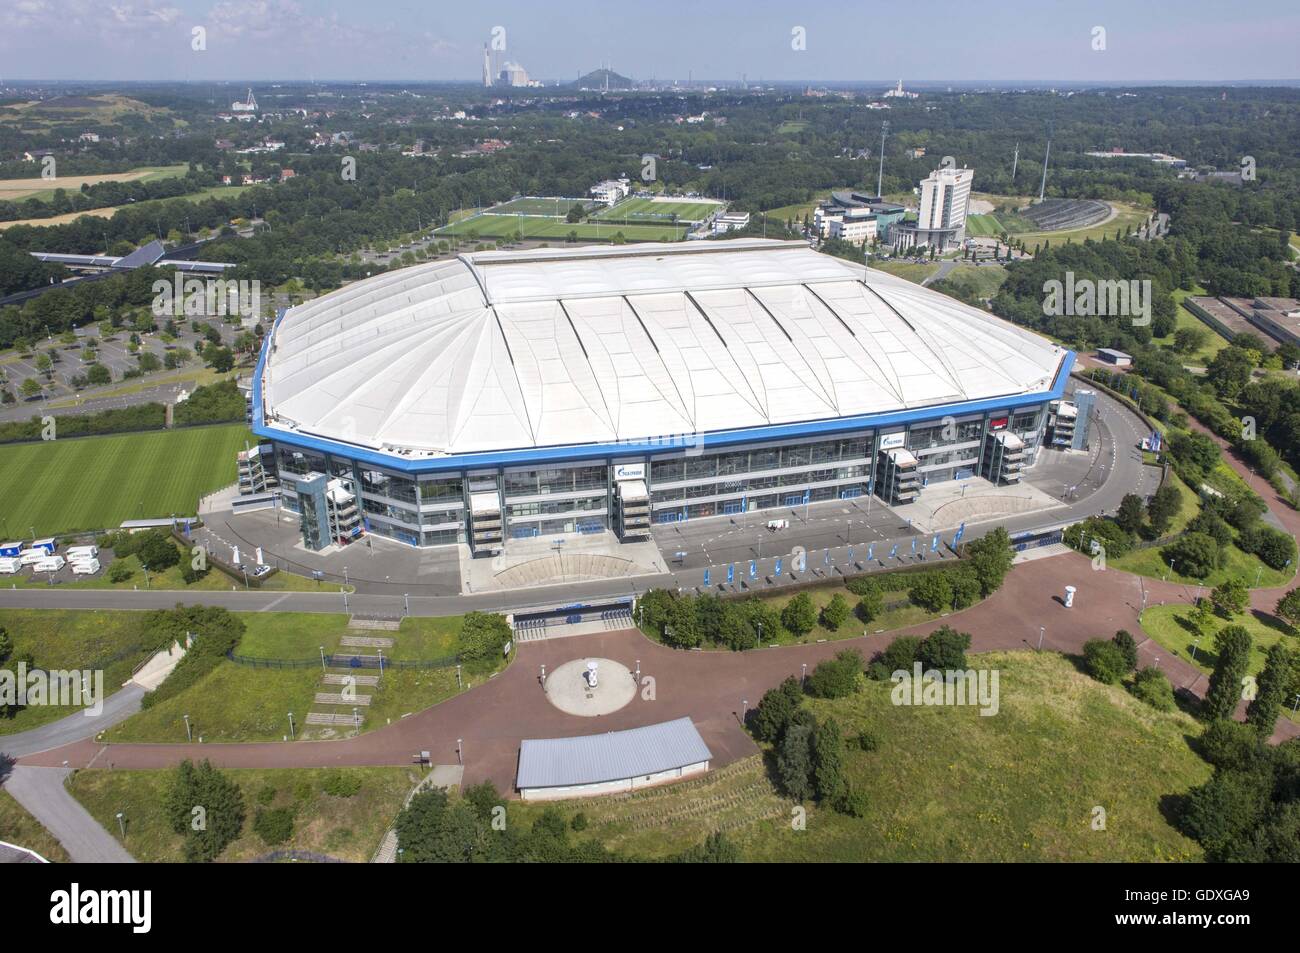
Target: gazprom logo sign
[{"x": 629, "y": 471}]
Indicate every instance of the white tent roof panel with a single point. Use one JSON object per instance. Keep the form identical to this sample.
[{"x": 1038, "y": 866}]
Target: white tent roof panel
[{"x": 503, "y": 351}]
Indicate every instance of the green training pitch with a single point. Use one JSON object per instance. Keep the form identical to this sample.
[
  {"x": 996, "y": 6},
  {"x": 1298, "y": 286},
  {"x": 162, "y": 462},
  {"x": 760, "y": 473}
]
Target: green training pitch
[
  {"x": 555, "y": 207},
  {"x": 489, "y": 226},
  {"x": 91, "y": 483},
  {"x": 659, "y": 210}
]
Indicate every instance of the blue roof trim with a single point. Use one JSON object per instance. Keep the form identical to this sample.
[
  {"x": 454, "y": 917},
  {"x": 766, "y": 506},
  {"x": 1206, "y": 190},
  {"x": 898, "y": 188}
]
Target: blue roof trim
[{"x": 604, "y": 451}]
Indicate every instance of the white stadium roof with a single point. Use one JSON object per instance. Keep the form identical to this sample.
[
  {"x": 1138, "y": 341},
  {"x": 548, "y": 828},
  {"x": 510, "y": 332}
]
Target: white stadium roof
[{"x": 556, "y": 347}]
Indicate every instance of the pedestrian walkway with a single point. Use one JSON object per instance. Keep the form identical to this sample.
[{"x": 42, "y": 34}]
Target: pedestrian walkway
[{"x": 42, "y": 792}]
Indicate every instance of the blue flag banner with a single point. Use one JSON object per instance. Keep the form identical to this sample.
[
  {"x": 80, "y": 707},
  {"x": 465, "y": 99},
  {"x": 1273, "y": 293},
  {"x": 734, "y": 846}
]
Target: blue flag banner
[
  {"x": 778, "y": 566},
  {"x": 893, "y": 552},
  {"x": 706, "y": 578},
  {"x": 934, "y": 544},
  {"x": 753, "y": 569},
  {"x": 850, "y": 554},
  {"x": 913, "y": 545},
  {"x": 731, "y": 573},
  {"x": 871, "y": 552}
]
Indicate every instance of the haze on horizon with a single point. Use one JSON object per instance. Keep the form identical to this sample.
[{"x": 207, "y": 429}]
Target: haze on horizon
[{"x": 943, "y": 40}]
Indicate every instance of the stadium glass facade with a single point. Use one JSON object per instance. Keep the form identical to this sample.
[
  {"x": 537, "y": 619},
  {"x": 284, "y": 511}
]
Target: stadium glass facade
[{"x": 693, "y": 482}]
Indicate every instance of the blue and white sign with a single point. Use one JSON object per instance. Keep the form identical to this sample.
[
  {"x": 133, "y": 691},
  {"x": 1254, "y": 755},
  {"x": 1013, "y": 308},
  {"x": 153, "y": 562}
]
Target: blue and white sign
[
  {"x": 629, "y": 471},
  {"x": 753, "y": 569},
  {"x": 706, "y": 578},
  {"x": 731, "y": 573},
  {"x": 778, "y": 566}
]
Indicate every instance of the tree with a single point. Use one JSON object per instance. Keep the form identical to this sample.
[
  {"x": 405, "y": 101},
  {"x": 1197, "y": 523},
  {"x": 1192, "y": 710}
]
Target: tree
[
  {"x": 157, "y": 551},
  {"x": 1165, "y": 504},
  {"x": 716, "y": 849},
  {"x": 775, "y": 710},
  {"x": 1223, "y": 813},
  {"x": 1230, "y": 370},
  {"x": 206, "y": 808},
  {"x": 991, "y": 557},
  {"x": 794, "y": 761},
  {"x": 483, "y": 635},
  {"x": 97, "y": 374},
  {"x": 899, "y": 656},
  {"x": 1273, "y": 685},
  {"x": 1132, "y": 514},
  {"x": 1230, "y": 596},
  {"x": 220, "y": 359},
  {"x": 1233, "y": 647},
  {"x": 799, "y": 614},
  {"x": 835, "y": 612},
  {"x": 944, "y": 649},
  {"x": 1288, "y": 608},
  {"x": 273, "y": 825},
  {"x": 30, "y": 387}
]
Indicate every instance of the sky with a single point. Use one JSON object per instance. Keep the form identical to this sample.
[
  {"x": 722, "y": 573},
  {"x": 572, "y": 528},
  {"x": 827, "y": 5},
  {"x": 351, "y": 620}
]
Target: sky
[{"x": 935, "y": 40}]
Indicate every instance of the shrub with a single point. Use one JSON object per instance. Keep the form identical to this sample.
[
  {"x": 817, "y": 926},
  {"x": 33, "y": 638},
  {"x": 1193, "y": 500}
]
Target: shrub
[
  {"x": 1153, "y": 687},
  {"x": 578, "y": 822},
  {"x": 966, "y": 588},
  {"x": 274, "y": 825},
  {"x": 990, "y": 557},
  {"x": 1194, "y": 554},
  {"x": 932, "y": 592},
  {"x": 836, "y": 677},
  {"x": 1125, "y": 642},
  {"x": 266, "y": 794},
  {"x": 1104, "y": 660},
  {"x": 871, "y": 605},
  {"x": 862, "y": 585},
  {"x": 866, "y": 741},
  {"x": 1273, "y": 547},
  {"x": 1230, "y": 597},
  {"x": 341, "y": 784},
  {"x": 944, "y": 649},
  {"x": 1230, "y": 744},
  {"x": 483, "y": 798},
  {"x": 899, "y": 655},
  {"x": 483, "y": 635},
  {"x": 851, "y": 802},
  {"x": 119, "y": 572}
]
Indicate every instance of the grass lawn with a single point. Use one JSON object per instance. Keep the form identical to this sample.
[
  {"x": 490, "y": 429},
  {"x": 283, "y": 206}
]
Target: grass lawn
[
  {"x": 246, "y": 703},
  {"x": 1127, "y": 216},
  {"x": 1173, "y": 628},
  {"x": 799, "y": 209},
  {"x": 905, "y": 269},
  {"x": 982, "y": 280},
  {"x": 79, "y": 639},
  {"x": 947, "y": 784},
  {"x": 193, "y": 377},
  {"x": 1215, "y": 342},
  {"x": 347, "y": 828},
  {"x": 686, "y": 210},
  {"x": 90, "y": 483},
  {"x": 1147, "y": 562},
  {"x": 21, "y": 829}
]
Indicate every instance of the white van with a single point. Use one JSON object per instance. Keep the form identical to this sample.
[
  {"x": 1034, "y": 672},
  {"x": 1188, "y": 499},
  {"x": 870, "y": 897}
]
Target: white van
[
  {"x": 85, "y": 567},
  {"x": 75, "y": 552},
  {"x": 10, "y": 565},
  {"x": 30, "y": 557},
  {"x": 778, "y": 524},
  {"x": 50, "y": 564}
]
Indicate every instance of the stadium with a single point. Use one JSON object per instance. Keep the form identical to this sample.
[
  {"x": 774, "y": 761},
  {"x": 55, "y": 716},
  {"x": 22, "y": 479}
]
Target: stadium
[{"x": 508, "y": 395}]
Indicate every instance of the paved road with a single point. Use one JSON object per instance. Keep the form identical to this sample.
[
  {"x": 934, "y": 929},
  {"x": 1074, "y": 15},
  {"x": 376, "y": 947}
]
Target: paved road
[
  {"x": 119, "y": 706},
  {"x": 41, "y": 791},
  {"x": 711, "y": 687}
]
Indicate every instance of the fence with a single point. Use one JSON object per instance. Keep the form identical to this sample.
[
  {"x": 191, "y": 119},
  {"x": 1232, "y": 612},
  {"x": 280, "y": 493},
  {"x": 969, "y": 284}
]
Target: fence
[{"x": 344, "y": 661}]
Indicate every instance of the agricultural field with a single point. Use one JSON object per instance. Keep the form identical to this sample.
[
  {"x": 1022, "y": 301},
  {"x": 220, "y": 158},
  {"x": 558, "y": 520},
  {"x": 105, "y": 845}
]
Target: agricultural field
[
  {"x": 345, "y": 828},
  {"x": 15, "y": 190},
  {"x": 1060, "y": 745},
  {"x": 659, "y": 210},
  {"x": 91, "y": 483}
]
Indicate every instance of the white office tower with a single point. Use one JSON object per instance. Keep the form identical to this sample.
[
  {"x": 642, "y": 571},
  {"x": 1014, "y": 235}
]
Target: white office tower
[
  {"x": 487, "y": 67},
  {"x": 941, "y": 222}
]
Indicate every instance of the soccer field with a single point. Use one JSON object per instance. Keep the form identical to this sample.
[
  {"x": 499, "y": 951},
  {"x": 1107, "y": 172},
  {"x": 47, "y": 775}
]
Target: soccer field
[
  {"x": 503, "y": 226},
  {"x": 92, "y": 483},
  {"x": 659, "y": 210},
  {"x": 539, "y": 206}
]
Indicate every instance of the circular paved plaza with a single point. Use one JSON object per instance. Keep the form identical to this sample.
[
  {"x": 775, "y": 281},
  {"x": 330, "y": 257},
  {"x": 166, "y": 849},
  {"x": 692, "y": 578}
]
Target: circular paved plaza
[{"x": 569, "y": 687}]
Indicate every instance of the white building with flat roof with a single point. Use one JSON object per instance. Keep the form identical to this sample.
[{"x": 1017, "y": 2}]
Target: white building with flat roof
[{"x": 941, "y": 221}]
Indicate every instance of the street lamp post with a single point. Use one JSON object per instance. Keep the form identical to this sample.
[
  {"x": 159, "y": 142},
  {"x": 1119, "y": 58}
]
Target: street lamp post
[
  {"x": 189, "y": 734},
  {"x": 1195, "y": 642},
  {"x": 322, "y": 658},
  {"x": 460, "y": 750},
  {"x": 1042, "y": 631},
  {"x": 121, "y": 824},
  {"x": 291, "y": 726}
]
